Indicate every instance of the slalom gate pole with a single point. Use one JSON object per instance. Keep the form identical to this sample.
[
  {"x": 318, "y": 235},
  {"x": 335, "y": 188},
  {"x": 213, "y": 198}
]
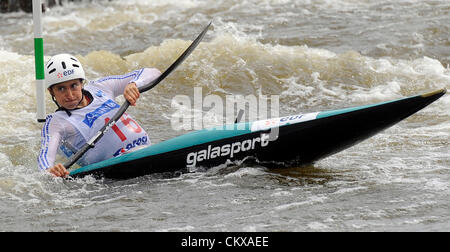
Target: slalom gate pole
[{"x": 39, "y": 60}]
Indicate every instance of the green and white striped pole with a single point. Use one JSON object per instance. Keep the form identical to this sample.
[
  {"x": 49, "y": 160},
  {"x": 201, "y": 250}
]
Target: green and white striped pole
[{"x": 39, "y": 60}]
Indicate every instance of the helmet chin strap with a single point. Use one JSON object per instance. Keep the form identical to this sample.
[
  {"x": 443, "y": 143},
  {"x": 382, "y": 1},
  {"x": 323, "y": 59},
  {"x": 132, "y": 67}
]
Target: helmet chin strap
[
  {"x": 82, "y": 97},
  {"x": 61, "y": 108}
]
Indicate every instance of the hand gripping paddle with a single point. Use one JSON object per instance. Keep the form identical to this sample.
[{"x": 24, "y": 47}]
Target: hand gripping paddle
[{"x": 91, "y": 143}]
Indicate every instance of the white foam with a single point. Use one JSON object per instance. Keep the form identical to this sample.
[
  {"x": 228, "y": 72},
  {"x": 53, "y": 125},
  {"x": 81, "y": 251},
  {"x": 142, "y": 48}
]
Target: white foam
[
  {"x": 315, "y": 225},
  {"x": 10, "y": 57},
  {"x": 179, "y": 229},
  {"x": 311, "y": 200},
  {"x": 159, "y": 3},
  {"x": 247, "y": 171},
  {"x": 437, "y": 184},
  {"x": 281, "y": 194},
  {"x": 388, "y": 91},
  {"x": 350, "y": 190}
]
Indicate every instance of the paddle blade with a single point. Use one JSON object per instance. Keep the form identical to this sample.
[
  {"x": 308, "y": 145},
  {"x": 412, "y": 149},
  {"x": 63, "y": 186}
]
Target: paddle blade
[
  {"x": 175, "y": 64},
  {"x": 91, "y": 143}
]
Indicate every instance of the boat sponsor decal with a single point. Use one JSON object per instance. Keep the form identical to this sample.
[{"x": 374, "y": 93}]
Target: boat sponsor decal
[
  {"x": 226, "y": 150},
  {"x": 137, "y": 142},
  {"x": 281, "y": 121},
  {"x": 106, "y": 107}
]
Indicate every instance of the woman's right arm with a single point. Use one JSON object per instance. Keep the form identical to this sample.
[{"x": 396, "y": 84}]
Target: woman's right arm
[
  {"x": 58, "y": 170},
  {"x": 50, "y": 140}
]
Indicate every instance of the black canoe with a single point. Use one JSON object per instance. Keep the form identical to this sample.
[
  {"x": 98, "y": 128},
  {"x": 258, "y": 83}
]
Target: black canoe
[{"x": 281, "y": 142}]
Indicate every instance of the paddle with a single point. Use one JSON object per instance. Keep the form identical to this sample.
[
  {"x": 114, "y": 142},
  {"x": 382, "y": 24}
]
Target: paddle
[{"x": 91, "y": 143}]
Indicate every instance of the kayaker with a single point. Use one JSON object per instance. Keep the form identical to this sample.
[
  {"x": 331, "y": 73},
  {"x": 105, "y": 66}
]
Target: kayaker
[{"x": 84, "y": 109}]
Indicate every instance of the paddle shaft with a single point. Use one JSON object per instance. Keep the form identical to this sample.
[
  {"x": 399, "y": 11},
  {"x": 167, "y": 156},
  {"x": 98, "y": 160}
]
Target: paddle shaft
[{"x": 91, "y": 143}]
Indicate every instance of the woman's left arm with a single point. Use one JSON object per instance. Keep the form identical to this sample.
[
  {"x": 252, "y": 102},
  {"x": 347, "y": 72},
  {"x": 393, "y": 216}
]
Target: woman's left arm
[{"x": 117, "y": 84}]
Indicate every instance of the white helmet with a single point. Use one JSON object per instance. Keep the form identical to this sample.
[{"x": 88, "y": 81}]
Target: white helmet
[{"x": 63, "y": 67}]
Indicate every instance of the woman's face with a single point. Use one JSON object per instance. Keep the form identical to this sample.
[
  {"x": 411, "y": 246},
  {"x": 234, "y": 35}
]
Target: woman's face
[{"x": 68, "y": 94}]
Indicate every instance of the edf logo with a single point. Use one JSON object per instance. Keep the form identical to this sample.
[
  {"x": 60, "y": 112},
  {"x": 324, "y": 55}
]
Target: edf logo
[{"x": 68, "y": 72}]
